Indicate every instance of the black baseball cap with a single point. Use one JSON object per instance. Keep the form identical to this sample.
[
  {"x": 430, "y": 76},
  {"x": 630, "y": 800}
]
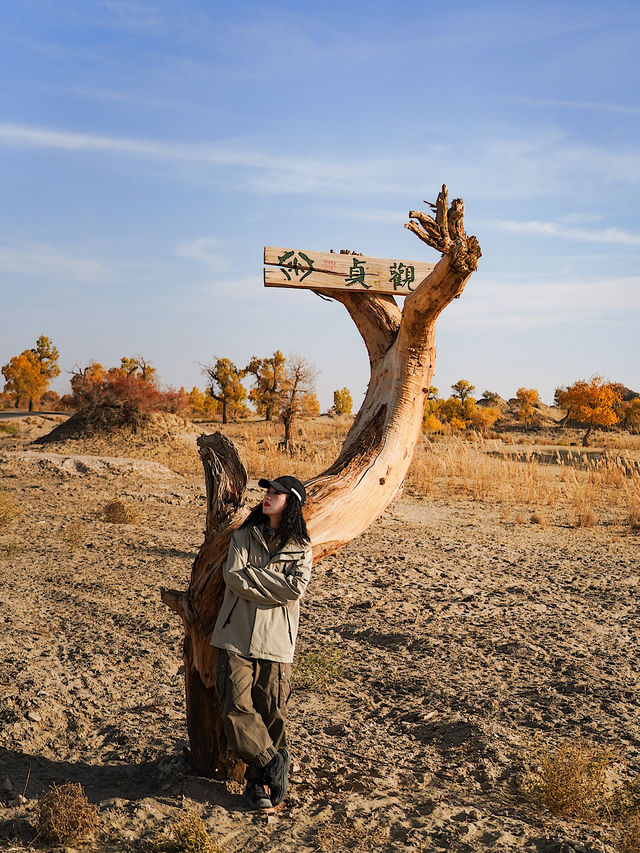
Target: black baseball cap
[{"x": 286, "y": 485}]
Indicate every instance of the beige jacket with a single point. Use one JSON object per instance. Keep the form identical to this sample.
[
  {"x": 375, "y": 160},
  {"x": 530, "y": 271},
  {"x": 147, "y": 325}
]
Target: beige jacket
[{"x": 260, "y": 610}]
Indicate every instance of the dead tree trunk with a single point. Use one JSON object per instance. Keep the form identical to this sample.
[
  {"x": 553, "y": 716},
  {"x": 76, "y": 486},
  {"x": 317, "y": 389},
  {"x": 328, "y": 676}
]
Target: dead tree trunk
[{"x": 346, "y": 498}]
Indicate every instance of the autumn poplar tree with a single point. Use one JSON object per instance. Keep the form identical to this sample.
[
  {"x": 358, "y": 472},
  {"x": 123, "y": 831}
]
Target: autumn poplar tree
[
  {"x": 225, "y": 386},
  {"x": 591, "y": 403},
  {"x": 270, "y": 378},
  {"x": 527, "y": 399},
  {"x": 28, "y": 375},
  {"x": 342, "y": 401}
]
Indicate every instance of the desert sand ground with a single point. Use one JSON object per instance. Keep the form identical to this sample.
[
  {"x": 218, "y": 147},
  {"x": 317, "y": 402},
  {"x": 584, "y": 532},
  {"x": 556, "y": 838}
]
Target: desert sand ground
[{"x": 466, "y": 633}]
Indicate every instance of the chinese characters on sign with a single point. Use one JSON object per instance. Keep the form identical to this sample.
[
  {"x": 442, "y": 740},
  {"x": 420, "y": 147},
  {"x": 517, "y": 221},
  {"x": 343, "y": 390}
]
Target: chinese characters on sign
[
  {"x": 356, "y": 274},
  {"x": 322, "y": 271},
  {"x": 400, "y": 275},
  {"x": 295, "y": 265}
]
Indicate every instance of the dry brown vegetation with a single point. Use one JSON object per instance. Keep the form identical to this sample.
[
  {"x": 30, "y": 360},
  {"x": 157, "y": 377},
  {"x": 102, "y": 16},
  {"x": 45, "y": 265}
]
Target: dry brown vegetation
[
  {"x": 66, "y": 815},
  {"x": 119, "y": 512}
]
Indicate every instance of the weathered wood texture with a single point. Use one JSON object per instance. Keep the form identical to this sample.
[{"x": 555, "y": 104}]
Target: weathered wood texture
[
  {"x": 368, "y": 473},
  {"x": 332, "y": 271}
]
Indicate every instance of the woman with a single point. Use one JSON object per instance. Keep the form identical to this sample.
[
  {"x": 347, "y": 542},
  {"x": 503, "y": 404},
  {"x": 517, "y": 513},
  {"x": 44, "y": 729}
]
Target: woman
[{"x": 267, "y": 571}]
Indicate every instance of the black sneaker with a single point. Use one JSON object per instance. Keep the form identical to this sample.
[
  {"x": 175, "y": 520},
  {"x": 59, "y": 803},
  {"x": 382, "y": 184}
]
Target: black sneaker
[
  {"x": 276, "y": 775},
  {"x": 256, "y": 797}
]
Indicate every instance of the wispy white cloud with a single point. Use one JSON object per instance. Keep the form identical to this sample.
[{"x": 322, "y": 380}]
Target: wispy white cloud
[
  {"x": 49, "y": 262},
  {"x": 614, "y": 236},
  {"x": 534, "y": 303},
  {"x": 527, "y": 166},
  {"x": 591, "y": 106},
  {"x": 207, "y": 250}
]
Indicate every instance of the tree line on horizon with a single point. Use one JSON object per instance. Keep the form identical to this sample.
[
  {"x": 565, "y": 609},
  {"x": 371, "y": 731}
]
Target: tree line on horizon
[{"x": 284, "y": 389}]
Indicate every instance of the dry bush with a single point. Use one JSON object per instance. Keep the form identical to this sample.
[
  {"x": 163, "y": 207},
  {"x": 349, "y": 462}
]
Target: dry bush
[
  {"x": 119, "y": 512},
  {"x": 585, "y": 518},
  {"x": 9, "y": 429},
  {"x": 74, "y": 535},
  {"x": 538, "y": 518},
  {"x": 189, "y": 835},
  {"x": 317, "y": 668},
  {"x": 338, "y": 837},
  {"x": 65, "y": 814},
  {"x": 10, "y": 510},
  {"x": 633, "y": 519},
  {"x": 572, "y": 779}
]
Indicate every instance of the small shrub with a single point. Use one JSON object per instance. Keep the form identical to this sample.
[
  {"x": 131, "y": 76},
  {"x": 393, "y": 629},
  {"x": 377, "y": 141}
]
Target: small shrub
[
  {"x": 633, "y": 519},
  {"x": 315, "y": 669},
  {"x": 537, "y": 518},
  {"x": 74, "y": 535},
  {"x": 585, "y": 519},
  {"x": 189, "y": 834},
  {"x": 65, "y": 814},
  {"x": 10, "y": 510},
  {"x": 572, "y": 780},
  {"x": 118, "y": 512},
  {"x": 9, "y": 429}
]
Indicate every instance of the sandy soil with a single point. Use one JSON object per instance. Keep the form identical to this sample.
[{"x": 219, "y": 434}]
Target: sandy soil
[{"x": 464, "y": 637}]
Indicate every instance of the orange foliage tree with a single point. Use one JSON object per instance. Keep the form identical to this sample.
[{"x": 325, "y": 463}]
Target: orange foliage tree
[
  {"x": 592, "y": 403},
  {"x": 527, "y": 400},
  {"x": 28, "y": 375}
]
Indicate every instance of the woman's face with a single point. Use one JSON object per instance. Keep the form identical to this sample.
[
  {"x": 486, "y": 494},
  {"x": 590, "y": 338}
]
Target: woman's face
[{"x": 273, "y": 505}]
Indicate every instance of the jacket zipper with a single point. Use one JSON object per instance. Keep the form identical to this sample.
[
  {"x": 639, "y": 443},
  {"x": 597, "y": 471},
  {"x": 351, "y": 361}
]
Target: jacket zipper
[
  {"x": 289, "y": 626},
  {"x": 228, "y": 619}
]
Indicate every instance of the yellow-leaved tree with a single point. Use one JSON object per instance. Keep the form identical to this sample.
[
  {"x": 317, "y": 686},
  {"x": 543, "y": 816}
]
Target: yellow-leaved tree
[
  {"x": 527, "y": 400},
  {"x": 591, "y": 403},
  {"x": 28, "y": 375},
  {"x": 342, "y": 401},
  {"x": 270, "y": 379},
  {"x": 225, "y": 386}
]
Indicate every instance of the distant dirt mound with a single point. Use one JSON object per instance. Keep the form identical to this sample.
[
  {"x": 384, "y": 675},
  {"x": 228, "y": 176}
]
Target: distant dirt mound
[{"x": 164, "y": 438}]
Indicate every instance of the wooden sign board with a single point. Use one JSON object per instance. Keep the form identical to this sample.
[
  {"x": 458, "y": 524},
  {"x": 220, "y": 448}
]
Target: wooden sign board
[{"x": 332, "y": 271}]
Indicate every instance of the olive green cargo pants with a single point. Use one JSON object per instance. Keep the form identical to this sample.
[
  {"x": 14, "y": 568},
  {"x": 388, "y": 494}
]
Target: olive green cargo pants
[{"x": 253, "y": 700}]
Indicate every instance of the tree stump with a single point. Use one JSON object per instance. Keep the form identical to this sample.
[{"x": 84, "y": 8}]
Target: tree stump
[{"x": 347, "y": 497}]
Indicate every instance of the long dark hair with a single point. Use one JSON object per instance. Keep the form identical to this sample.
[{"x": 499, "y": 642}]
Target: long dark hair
[{"x": 292, "y": 526}]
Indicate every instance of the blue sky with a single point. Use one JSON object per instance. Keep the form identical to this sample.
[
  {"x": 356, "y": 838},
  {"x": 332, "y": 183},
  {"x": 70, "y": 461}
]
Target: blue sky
[{"x": 150, "y": 150}]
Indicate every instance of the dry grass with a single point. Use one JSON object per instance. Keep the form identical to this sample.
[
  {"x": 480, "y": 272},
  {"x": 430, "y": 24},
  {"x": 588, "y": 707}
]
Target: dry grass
[
  {"x": 10, "y": 510},
  {"x": 357, "y": 838},
  {"x": 119, "y": 512},
  {"x": 573, "y": 779},
  {"x": 74, "y": 534},
  {"x": 65, "y": 814},
  {"x": 189, "y": 835},
  {"x": 317, "y": 668},
  {"x": 576, "y": 489}
]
